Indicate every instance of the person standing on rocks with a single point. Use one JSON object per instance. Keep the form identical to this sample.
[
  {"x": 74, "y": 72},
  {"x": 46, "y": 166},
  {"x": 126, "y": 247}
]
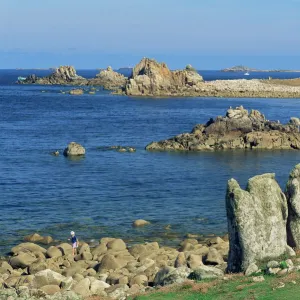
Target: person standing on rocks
[{"x": 74, "y": 241}]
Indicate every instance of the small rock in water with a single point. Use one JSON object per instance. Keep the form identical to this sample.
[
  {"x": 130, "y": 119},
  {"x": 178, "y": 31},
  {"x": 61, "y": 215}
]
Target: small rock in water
[
  {"x": 140, "y": 223},
  {"x": 76, "y": 92},
  {"x": 119, "y": 148},
  {"x": 35, "y": 237},
  {"x": 192, "y": 236},
  {"x": 74, "y": 149}
]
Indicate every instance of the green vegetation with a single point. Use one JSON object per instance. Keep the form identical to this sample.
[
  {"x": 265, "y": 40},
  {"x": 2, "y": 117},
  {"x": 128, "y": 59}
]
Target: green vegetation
[
  {"x": 236, "y": 288},
  {"x": 190, "y": 68},
  {"x": 283, "y": 265}
]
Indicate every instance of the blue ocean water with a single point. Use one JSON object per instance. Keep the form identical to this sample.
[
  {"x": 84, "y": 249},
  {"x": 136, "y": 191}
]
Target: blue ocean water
[{"x": 102, "y": 193}]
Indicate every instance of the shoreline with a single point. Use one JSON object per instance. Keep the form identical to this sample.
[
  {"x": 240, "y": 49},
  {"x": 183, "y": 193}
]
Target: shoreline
[
  {"x": 166, "y": 239},
  {"x": 152, "y": 79},
  {"x": 40, "y": 270}
]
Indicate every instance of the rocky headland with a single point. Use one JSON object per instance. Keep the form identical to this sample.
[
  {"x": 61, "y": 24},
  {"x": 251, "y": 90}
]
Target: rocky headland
[
  {"x": 262, "y": 227},
  {"x": 238, "y": 129},
  {"x": 152, "y": 79}
]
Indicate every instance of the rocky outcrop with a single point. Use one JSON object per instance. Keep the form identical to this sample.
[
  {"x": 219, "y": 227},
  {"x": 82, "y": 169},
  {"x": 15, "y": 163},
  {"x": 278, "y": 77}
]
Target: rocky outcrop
[
  {"x": 76, "y": 92},
  {"x": 238, "y": 129},
  {"x": 150, "y": 78},
  {"x": 257, "y": 220},
  {"x": 109, "y": 79},
  {"x": 64, "y": 75},
  {"x": 74, "y": 149},
  {"x": 293, "y": 197}
]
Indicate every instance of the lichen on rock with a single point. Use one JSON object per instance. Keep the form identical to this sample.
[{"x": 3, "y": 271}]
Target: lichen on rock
[
  {"x": 293, "y": 197},
  {"x": 257, "y": 220}
]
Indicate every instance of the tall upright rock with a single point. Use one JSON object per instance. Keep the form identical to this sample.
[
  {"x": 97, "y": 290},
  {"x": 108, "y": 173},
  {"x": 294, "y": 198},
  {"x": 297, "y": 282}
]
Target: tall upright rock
[
  {"x": 293, "y": 197},
  {"x": 150, "y": 78},
  {"x": 257, "y": 220}
]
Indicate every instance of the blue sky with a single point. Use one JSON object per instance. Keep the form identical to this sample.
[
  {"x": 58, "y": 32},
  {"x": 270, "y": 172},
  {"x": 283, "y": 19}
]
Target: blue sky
[{"x": 209, "y": 34}]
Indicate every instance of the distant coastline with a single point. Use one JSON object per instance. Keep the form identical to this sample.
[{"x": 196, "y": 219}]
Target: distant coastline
[{"x": 241, "y": 68}]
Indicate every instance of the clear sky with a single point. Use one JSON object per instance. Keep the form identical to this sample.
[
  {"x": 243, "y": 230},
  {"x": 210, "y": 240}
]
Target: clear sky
[{"x": 209, "y": 34}]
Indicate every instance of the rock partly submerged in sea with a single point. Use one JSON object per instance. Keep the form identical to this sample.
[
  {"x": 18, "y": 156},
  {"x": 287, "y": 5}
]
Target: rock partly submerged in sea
[
  {"x": 121, "y": 149},
  {"x": 140, "y": 223},
  {"x": 76, "y": 92},
  {"x": 239, "y": 129},
  {"x": 74, "y": 149},
  {"x": 64, "y": 75},
  {"x": 150, "y": 78}
]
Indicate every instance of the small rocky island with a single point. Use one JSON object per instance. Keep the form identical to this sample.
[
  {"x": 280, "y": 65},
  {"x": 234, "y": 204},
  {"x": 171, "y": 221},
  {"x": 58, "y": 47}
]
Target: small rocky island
[
  {"x": 64, "y": 75},
  {"x": 240, "y": 68},
  {"x": 238, "y": 129}
]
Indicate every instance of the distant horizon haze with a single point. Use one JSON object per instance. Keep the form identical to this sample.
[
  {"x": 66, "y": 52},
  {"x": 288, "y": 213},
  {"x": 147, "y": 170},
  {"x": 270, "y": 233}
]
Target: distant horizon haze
[
  {"x": 210, "y": 35},
  {"x": 198, "y": 62}
]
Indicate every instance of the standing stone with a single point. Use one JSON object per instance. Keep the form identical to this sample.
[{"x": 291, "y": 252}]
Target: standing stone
[
  {"x": 257, "y": 220},
  {"x": 293, "y": 197},
  {"x": 74, "y": 149}
]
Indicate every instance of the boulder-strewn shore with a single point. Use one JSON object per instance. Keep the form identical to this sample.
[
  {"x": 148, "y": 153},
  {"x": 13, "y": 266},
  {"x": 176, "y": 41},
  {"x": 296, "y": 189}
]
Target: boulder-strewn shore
[
  {"x": 263, "y": 225},
  {"x": 111, "y": 269},
  {"x": 238, "y": 129},
  {"x": 153, "y": 79}
]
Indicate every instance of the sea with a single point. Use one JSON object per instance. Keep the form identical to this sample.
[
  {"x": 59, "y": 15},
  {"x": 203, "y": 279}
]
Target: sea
[{"x": 102, "y": 193}]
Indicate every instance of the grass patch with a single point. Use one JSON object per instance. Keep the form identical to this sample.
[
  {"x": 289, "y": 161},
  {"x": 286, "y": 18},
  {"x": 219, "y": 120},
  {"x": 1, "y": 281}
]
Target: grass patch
[{"x": 237, "y": 287}]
